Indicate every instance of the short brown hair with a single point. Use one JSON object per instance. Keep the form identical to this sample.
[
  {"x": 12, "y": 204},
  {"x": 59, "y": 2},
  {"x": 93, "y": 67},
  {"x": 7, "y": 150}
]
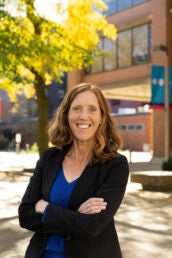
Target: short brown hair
[{"x": 107, "y": 137}]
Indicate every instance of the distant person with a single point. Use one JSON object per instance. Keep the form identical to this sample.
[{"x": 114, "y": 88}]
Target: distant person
[{"x": 78, "y": 185}]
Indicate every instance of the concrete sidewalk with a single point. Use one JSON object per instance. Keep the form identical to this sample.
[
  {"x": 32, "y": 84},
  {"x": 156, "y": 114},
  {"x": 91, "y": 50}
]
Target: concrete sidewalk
[
  {"x": 143, "y": 221},
  {"x": 12, "y": 162}
]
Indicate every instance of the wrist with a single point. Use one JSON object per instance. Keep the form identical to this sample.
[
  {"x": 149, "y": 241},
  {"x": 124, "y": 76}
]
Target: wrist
[{"x": 41, "y": 206}]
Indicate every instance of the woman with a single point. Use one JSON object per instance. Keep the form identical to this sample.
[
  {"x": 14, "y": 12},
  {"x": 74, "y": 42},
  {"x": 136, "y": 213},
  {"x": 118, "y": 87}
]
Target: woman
[{"x": 78, "y": 185}]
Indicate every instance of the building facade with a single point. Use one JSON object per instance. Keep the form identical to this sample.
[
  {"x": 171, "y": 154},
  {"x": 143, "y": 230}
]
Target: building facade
[
  {"x": 124, "y": 74},
  {"x": 22, "y": 116}
]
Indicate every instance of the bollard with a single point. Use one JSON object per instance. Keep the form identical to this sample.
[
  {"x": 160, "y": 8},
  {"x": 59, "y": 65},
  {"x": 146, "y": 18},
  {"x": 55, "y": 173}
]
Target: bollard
[
  {"x": 17, "y": 148},
  {"x": 27, "y": 147}
]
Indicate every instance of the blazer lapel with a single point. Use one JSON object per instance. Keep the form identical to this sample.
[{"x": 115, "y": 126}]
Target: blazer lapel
[
  {"x": 52, "y": 170},
  {"x": 85, "y": 186}
]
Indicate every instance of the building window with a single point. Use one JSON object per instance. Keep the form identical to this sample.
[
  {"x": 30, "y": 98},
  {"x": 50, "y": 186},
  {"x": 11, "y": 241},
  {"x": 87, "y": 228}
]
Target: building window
[
  {"x": 115, "y": 102},
  {"x": 131, "y": 127},
  {"x": 132, "y": 47},
  {"x": 122, "y": 127},
  {"x": 139, "y": 127},
  {"x": 98, "y": 64},
  {"x": 140, "y": 45},
  {"x": 124, "y": 48},
  {"x": 115, "y": 6},
  {"x": 110, "y": 59}
]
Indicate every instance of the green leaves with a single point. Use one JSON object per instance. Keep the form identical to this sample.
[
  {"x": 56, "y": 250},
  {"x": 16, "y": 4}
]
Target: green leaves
[{"x": 31, "y": 44}]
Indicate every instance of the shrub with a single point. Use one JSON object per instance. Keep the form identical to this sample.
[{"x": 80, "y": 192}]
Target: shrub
[
  {"x": 34, "y": 147},
  {"x": 4, "y": 142},
  {"x": 167, "y": 165}
]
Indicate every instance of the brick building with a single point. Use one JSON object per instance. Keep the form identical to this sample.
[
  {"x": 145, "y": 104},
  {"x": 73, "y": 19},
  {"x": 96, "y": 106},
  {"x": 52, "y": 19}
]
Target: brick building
[
  {"x": 125, "y": 75},
  {"x": 136, "y": 130}
]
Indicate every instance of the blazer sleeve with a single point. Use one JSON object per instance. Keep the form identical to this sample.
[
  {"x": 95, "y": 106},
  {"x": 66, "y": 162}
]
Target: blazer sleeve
[
  {"x": 76, "y": 224},
  {"x": 28, "y": 218}
]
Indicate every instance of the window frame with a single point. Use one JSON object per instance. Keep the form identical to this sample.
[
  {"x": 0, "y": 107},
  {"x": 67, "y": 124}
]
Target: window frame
[{"x": 149, "y": 42}]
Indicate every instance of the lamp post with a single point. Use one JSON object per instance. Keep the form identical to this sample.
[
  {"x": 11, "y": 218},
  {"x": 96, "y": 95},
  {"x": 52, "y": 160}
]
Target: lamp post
[{"x": 162, "y": 48}]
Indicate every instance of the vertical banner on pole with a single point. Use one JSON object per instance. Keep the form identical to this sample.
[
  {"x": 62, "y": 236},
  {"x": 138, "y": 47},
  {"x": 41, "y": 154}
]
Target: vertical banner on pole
[
  {"x": 170, "y": 84},
  {"x": 158, "y": 86}
]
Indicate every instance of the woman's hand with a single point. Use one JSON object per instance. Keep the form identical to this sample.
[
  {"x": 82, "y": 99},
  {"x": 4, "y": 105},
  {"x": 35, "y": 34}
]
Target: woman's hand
[
  {"x": 40, "y": 206},
  {"x": 92, "y": 206}
]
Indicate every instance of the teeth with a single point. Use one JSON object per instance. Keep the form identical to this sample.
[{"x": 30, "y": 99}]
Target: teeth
[{"x": 83, "y": 126}]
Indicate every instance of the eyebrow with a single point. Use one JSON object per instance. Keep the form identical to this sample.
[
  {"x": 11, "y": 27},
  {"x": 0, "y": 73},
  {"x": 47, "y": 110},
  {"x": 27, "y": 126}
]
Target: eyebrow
[{"x": 91, "y": 105}]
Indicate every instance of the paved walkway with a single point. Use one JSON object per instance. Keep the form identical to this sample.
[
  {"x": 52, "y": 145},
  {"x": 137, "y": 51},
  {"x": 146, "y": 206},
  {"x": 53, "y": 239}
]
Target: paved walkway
[
  {"x": 10, "y": 161},
  {"x": 143, "y": 221}
]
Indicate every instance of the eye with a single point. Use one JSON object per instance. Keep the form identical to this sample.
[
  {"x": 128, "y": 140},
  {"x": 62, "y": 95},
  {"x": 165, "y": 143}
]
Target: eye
[
  {"x": 92, "y": 109},
  {"x": 76, "y": 108}
]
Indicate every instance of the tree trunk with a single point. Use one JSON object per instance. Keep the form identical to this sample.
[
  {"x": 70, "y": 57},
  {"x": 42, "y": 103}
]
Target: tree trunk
[{"x": 42, "y": 113}]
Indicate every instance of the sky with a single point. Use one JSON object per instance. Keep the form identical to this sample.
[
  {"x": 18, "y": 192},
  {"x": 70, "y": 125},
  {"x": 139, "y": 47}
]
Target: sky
[{"x": 46, "y": 8}]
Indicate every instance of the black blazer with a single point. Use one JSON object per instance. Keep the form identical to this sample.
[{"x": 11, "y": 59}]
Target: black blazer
[{"x": 86, "y": 235}]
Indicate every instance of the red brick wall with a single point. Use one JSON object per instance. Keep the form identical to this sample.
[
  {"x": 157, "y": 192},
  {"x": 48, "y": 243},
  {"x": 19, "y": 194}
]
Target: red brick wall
[
  {"x": 135, "y": 140},
  {"x": 74, "y": 78},
  {"x": 133, "y": 14},
  {"x": 120, "y": 75},
  {"x": 158, "y": 132}
]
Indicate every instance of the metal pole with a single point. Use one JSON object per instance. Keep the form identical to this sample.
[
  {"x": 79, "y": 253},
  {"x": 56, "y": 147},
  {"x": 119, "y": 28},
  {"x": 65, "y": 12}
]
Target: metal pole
[
  {"x": 162, "y": 48},
  {"x": 167, "y": 104}
]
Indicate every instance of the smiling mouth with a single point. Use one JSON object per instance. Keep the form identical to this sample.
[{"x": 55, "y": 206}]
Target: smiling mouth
[{"x": 83, "y": 126}]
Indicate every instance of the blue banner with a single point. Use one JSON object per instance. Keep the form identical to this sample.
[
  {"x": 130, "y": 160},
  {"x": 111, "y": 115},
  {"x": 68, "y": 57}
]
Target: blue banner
[
  {"x": 170, "y": 84},
  {"x": 158, "y": 85}
]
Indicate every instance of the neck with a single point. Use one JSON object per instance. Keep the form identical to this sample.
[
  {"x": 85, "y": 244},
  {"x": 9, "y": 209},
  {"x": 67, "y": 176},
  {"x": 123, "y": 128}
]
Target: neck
[{"x": 81, "y": 151}]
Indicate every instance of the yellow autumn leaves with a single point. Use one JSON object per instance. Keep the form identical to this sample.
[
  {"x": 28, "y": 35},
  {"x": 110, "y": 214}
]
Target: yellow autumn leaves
[{"x": 32, "y": 45}]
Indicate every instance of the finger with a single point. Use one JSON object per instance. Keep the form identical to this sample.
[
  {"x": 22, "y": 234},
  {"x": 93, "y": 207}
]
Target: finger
[
  {"x": 94, "y": 212},
  {"x": 95, "y": 199},
  {"x": 96, "y": 204},
  {"x": 98, "y": 207},
  {"x": 87, "y": 205},
  {"x": 95, "y": 209},
  {"x": 88, "y": 208}
]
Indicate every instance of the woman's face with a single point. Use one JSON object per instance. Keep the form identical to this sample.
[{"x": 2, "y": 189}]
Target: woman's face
[{"x": 84, "y": 116}]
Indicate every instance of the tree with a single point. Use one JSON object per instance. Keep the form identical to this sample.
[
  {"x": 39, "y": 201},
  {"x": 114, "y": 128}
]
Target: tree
[{"x": 36, "y": 50}]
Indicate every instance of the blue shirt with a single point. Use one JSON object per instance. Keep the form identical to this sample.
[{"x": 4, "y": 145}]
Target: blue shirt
[{"x": 60, "y": 194}]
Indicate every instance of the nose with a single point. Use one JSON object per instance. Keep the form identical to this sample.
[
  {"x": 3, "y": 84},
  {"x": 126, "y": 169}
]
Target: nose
[{"x": 83, "y": 114}]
